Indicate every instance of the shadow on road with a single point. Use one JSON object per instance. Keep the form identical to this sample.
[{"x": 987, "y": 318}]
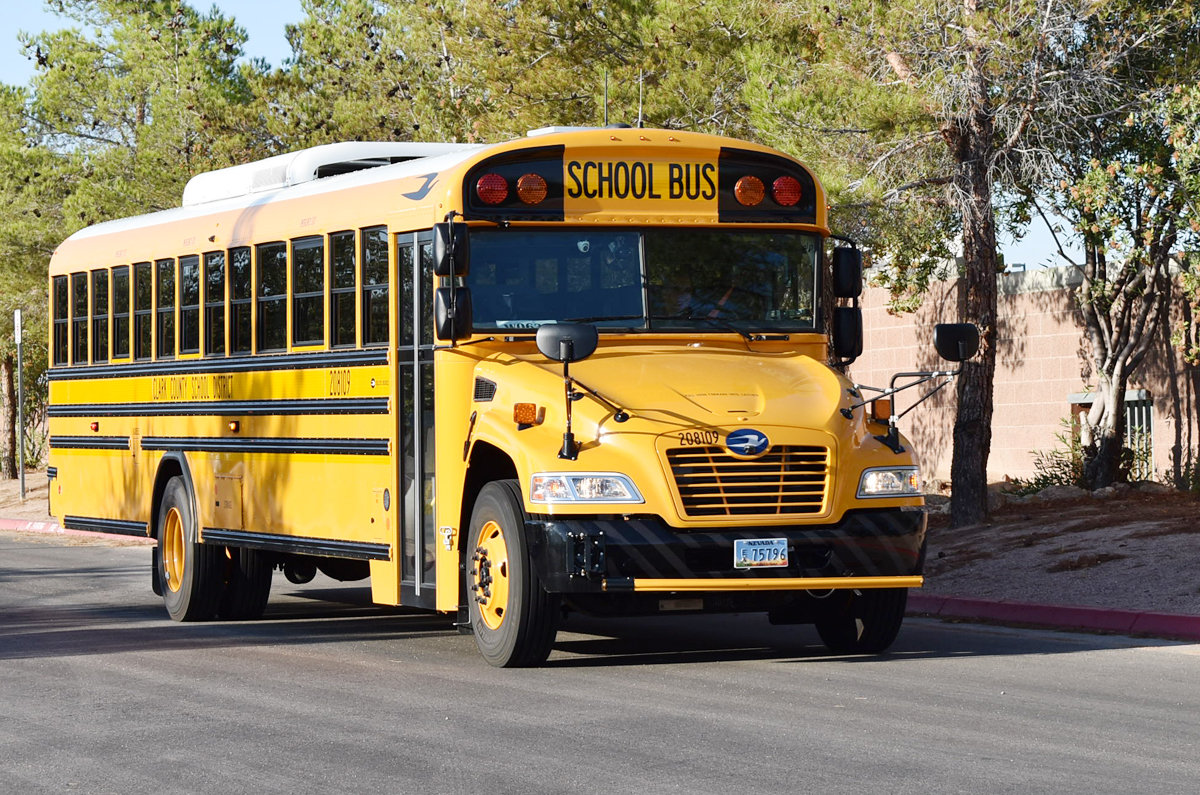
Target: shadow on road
[
  {"x": 302, "y": 617},
  {"x": 317, "y": 613},
  {"x": 728, "y": 638}
]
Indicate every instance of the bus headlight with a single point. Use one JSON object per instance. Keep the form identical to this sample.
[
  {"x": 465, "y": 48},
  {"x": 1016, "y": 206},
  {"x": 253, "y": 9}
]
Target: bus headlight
[
  {"x": 550, "y": 487},
  {"x": 889, "y": 482}
]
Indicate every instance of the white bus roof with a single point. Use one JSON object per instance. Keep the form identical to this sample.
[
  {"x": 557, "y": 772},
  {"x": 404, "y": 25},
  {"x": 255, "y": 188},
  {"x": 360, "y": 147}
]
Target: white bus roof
[
  {"x": 306, "y": 165},
  {"x": 349, "y": 163}
]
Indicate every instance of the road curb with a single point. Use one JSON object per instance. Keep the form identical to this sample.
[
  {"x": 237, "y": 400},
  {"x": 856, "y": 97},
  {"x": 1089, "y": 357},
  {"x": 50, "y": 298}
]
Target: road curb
[
  {"x": 1127, "y": 622},
  {"x": 51, "y": 527}
]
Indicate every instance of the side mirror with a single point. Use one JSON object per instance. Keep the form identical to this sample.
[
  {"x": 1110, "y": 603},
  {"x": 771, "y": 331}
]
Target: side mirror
[
  {"x": 456, "y": 324},
  {"x": 956, "y": 342},
  {"x": 847, "y": 272},
  {"x": 567, "y": 342},
  {"x": 847, "y": 332},
  {"x": 451, "y": 253}
]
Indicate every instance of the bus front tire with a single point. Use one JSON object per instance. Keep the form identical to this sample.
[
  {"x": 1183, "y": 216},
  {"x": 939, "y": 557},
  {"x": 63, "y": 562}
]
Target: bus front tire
[
  {"x": 867, "y": 623},
  {"x": 190, "y": 573},
  {"x": 247, "y": 586},
  {"x": 513, "y": 617}
]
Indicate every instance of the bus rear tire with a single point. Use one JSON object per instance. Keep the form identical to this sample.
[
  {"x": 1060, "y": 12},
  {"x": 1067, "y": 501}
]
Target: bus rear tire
[
  {"x": 867, "y": 623},
  {"x": 513, "y": 617},
  {"x": 190, "y": 573},
  {"x": 247, "y": 586}
]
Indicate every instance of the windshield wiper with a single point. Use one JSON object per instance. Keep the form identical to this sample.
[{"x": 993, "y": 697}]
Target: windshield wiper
[
  {"x": 715, "y": 321},
  {"x": 601, "y": 318}
]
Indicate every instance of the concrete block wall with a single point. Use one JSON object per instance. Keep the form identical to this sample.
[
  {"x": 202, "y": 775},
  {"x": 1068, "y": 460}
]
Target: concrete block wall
[{"x": 1043, "y": 357}]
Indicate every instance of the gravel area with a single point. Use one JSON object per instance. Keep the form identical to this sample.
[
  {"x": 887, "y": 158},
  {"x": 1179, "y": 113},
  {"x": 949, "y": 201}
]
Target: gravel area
[
  {"x": 36, "y": 504},
  {"x": 1132, "y": 551}
]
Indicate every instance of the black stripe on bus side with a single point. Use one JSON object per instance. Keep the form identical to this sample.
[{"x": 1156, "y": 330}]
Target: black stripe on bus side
[
  {"x": 89, "y": 442},
  {"x": 51, "y": 472},
  {"x": 224, "y": 408},
  {"x": 236, "y": 364},
  {"x": 356, "y": 550},
  {"x": 215, "y": 444},
  {"x": 117, "y": 526}
]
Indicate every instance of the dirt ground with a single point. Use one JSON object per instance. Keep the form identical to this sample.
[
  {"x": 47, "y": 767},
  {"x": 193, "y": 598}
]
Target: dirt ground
[
  {"x": 1135, "y": 551},
  {"x": 36, "y": 504}
]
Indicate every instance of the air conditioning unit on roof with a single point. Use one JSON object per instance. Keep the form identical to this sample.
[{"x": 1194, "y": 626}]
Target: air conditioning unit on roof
[{"x": 306, "y": 165}]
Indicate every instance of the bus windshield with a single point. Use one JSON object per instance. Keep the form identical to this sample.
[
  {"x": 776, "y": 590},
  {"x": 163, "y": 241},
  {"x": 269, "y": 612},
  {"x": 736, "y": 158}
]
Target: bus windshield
[{"x": 652, "y": 279}]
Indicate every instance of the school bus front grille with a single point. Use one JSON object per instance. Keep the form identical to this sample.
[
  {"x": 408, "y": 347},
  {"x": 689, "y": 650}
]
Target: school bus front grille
[{"x": 787, "y": 479}]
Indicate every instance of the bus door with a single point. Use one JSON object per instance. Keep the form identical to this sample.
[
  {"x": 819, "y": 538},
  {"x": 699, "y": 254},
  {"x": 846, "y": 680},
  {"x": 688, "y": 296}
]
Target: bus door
[{"x": 414, "y": 266}]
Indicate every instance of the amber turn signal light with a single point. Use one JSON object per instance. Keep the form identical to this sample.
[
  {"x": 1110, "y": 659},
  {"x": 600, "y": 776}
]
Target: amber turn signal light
[
  {"x": 528, "y": 414},
  {"x": 882, "y": 409},
  {"x": 234, "y": 426}
]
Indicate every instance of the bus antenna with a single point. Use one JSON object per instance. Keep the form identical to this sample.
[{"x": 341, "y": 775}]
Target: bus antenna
[
  {"x": 640, "y": 83},
  {"x": 605, "y": 97}
]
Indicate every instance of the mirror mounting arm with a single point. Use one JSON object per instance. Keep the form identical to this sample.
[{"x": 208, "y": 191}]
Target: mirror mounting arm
[
  {"x": 891, "y": 440},
  {"x": 569, "y": 449}
]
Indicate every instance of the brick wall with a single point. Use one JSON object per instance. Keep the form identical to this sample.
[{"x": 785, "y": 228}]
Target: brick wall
[{"x": 1043, "y": 357}]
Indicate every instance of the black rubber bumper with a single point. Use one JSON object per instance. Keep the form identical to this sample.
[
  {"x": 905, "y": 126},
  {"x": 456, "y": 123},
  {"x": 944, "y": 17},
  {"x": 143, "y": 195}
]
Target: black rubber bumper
[{"x": 580, "y": 555}]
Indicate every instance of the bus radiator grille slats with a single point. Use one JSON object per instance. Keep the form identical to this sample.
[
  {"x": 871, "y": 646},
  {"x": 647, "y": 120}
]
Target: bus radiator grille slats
[{"x": 787, "y": 479}]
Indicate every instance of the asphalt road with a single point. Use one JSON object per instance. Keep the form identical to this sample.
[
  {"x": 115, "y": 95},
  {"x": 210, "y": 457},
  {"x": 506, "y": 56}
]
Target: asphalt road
[{"x": 100, "y": 693}]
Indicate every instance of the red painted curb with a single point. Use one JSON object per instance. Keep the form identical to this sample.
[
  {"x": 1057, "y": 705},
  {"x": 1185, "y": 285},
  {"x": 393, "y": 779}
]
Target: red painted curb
[
  {"x": 1166, "y": 625},
  {"x": 52, "y": 527}
]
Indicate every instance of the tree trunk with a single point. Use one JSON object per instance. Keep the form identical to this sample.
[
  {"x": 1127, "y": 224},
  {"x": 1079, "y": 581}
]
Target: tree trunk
[
  {"x": 972, "y": 142},
  {"x": 8, "y": 418},
  {"x": 1103, "y": 435}
]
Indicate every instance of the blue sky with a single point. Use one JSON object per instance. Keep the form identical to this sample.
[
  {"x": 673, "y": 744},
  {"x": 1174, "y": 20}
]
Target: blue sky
[
  {"x": 264, "y": 22},
  {"x": 262, "y": 19}
]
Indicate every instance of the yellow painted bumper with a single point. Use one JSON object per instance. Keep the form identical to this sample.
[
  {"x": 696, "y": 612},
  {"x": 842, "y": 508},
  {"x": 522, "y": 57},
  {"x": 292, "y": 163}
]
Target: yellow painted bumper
[{"x": 765, "y": 584}]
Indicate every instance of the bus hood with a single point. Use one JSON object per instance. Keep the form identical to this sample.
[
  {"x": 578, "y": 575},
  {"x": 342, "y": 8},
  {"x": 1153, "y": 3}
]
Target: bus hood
[{"x": 685, "y": 386}]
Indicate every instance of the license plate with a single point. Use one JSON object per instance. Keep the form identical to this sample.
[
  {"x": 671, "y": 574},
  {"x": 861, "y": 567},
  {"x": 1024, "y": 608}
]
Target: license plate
[{"x": 753, "y": 553}]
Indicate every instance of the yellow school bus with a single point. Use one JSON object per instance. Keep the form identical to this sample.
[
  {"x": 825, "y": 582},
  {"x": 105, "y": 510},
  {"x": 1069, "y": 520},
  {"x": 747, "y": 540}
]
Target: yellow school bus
[{"x": 589, "y": 370}]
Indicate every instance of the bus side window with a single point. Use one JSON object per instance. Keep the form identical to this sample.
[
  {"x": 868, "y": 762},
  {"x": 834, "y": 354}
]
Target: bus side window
[
  {"x": 189, "y": 304},
  {"x": 404, "y": 275},
  {"x": 100, "y": 316},
  {"x": 272, "y": 297},
  {"x": 143, "y": 309},
  {"x": 79, "y": 318},
  {"x": 342, "y": 301},
  {"x": 62, "y": 321},
  {"x": 426, "y": 284},
  {"x": 120, "y": 295},
  {"x": 240, "y": 318},
  {"x": 214, "y": 303},
  {"x": 164, "y": 307},
  {"x": 308, "y": 291},
  {"x": 375, "y": 286}
]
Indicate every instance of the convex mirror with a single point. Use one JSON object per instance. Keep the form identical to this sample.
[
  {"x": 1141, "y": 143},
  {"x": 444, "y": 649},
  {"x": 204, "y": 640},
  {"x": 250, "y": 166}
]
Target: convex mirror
[
  {"x": 956, "y": 342},
  {"x": 567, "y": 342}
]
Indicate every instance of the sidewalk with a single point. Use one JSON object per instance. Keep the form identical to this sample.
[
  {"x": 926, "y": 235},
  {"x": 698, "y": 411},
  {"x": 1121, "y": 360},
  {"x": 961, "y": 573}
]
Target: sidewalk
[
  {"x": 1095, "y": 619},
  {"x": 51, "y": 527},
  {"x": 921, "y": 603}
]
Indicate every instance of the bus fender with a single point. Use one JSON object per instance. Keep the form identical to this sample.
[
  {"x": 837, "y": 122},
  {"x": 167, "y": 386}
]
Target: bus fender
[{"x": 173, "y": 463}]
